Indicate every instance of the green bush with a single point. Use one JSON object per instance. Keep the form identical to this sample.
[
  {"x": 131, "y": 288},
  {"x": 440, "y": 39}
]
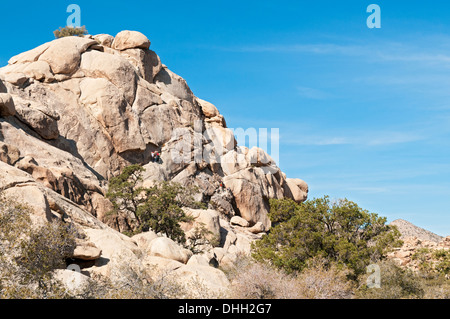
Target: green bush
[
  {"x": 443, "y": 261},
  {"x": 338, "y": 232},
  {"x": 70, "y": 31},
  {"x": 158, "y": 208},
  {"x": 396, "y": 283},
  {"x": 30, "y": 253}
]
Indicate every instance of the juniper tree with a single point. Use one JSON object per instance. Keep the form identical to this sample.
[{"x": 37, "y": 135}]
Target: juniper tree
[
  {"x": 157, "y": 208},
  {"x": 338, "y": 232}
]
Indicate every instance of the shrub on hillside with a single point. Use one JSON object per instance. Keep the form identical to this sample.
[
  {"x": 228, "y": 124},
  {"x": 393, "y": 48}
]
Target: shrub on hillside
[
  {"x": 30, "y": 253},
  {"x": 158, "y": 208},
  {"x": 253, "y": 280},
  {"x": 338, "y": 232},
  {"x": 396, "y": 283}
]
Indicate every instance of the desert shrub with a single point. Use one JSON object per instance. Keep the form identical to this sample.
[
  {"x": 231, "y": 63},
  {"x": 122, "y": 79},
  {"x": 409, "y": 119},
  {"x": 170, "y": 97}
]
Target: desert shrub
[
  {"x": 29, "y": 253},
  {"x": 396, "y": 283},
  {"x": 70, "y": 31},
  {"x": 255, "y": 280},
  {"x": 436, "y": 286},
  {"x": 158, "y": 208},
  {"x": 432, "y": 262},
  {"x": 443, "y": 261},
  {"x": 258, "y": 281},
  {"x": 322, "y": 281},
  {"x": 339, "y": 233}
]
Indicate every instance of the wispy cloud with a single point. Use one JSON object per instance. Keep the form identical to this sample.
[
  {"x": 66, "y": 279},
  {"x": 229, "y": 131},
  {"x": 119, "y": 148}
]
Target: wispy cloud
[
  {"x": 318, "y": 48},
  {"x": 311, "y": 93},
  {"x": 356, "y": 138},
  {"x": 386, "y": 51}
]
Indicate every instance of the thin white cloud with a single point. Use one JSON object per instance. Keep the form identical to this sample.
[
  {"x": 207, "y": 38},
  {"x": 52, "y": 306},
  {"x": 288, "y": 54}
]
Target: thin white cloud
[
  {"x": 387, "y": 51},
  {"x": 313, "y": 94},
  {"x": 356, "y": 138}
]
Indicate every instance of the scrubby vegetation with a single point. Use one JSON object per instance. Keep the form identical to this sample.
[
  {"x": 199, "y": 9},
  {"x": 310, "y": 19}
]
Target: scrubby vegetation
[
  {"x": 316, "y": 250},
  {"x": 340, "y": 233},
  {"x": 321, "y": 249},
  {"x": 70, "y": 31},
  {"x": 158, "y": 208},
  {"x": 29, "y": 254}
]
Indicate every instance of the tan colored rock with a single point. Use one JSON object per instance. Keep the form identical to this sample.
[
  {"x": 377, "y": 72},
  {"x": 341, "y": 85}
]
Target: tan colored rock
[
  {"x": 129, "y": 40},
  {"x": 31, "y": 55},
  {"x": 114, "y": 68},
  {"x": 39, "y": 173},
  {"x": 198, "y": 260},
  {"x": 104, "y": 39},
  {"x": 12, "y": 176},
  {"x": 167, "y": 248},
  {"x": 144, "y": 239},
  {"x": 75, "y": 282},
  {"x": 221, "y": 141},
  {"x": 235, "y": 161},
  {"x": 297, "y": 188},
  {"x": 251, "y": 193},
  {"x": 64, "y": 54},
  {"x": 39, "y": 70},
  {"x": 257, "y": 228},
  {"x": 239, "y": 221},
  {"x": 101, "y": 206},
  {"x": 173, "y": 84},
  {"x": 41, "y": 123},
  {"x": 119, "y": 252},
  {"x": 104, "y": 101},
  {"x": 145, "y": 98},
  {"x": 212, "y": 279},
  {"x": 16, "y": 78},
  {"x": 9, "y": 153},
  {"x": 112, "y": 107},
  {"x": 445, "y": 242},
  {"x": 33, "y": 197},
  {"x": 160, "y": 266},
  {"x": 258, "y": 157},
  {"x": 208, "y": 109},
  {"x": 86, "y": 251},
  {"x": 209, "y": 219},
  {"x": 146, "y": 62}
]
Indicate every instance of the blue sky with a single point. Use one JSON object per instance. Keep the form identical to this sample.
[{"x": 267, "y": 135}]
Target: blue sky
[{"x": 362, "y": 113}]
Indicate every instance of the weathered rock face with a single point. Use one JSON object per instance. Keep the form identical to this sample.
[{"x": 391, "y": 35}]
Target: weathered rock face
[
  {"x": 76, "y": 110},
  {"x": 109, "y": 102}
]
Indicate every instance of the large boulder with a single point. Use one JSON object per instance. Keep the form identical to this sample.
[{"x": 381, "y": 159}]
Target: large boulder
[
  {"x": 113, "y": 68},
  {"x": 129, "y": 40},
  {"x": 86, "y": 251},
  {"x": 167, "y": 248},
  {"x": 207, "y": 219},
  {"x": 64, "y": 54},
  {"x": 297, "y": 188}
]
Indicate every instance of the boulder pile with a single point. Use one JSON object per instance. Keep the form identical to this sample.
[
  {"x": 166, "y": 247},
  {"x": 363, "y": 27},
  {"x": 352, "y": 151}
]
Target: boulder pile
[{"x": 77, "y": 110}]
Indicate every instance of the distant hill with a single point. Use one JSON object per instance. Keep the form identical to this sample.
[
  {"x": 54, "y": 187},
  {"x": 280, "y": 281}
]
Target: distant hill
[{"x": 408, "y": 229}]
